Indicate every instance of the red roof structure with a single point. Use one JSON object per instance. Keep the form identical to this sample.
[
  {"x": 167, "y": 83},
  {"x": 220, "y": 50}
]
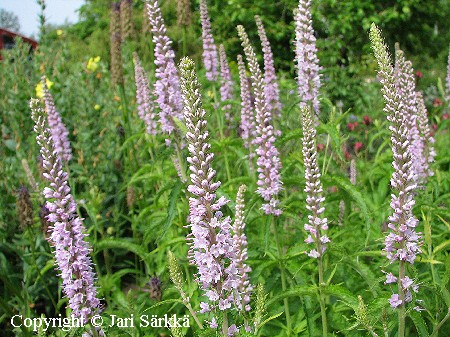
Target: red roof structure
[{"x": 7, "y": 40}]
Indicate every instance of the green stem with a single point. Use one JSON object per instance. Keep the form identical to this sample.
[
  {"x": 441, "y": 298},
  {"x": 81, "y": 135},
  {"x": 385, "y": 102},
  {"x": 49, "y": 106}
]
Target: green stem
[
  {"x": 181, "y": 163},
  {"x": 125, "y": 112},
  {"x": 323, "y": 310},
  {"x": 441, "y": 323},
  {"x": 188, "y": 305},
  {"x": 283, "y": 275},
  {"x": 47, "y": 290},
  {"x": 225, "y": 324}
]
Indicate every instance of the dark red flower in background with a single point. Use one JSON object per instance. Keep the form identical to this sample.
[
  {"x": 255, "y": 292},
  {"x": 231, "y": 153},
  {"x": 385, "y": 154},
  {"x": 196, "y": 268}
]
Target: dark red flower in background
[
  {"x": 437, "y": 102},
  {"x": 358, "y": 146},
  {"x": 367, "y": 120}
]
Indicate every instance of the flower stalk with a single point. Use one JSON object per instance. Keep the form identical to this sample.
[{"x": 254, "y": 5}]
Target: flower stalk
[
  {"x": 308, "y": 78},
  {"x": 212, "y": 247},
  {"x": 67, "y": 232},
  {"x": 210, "y": 59},
  {"x": 269, "y": 164},
  {"x": 402, "y": 244}
]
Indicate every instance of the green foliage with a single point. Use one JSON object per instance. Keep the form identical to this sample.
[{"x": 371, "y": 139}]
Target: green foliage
[{"x": 135, "y": 206}]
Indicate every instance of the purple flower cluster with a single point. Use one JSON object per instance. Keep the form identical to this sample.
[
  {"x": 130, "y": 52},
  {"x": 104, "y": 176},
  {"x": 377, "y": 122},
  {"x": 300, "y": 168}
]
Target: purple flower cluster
[
  {"x": 247, "y": 124},
  {"x": 271, "y": 89},
  {"x": 144, "y": 97},
  {"x": 210, "y": 59},
  {"x": 406, "y": 87},
  {"x": 212, "y": 246},
  {"x": 406, "y": 285},
  {"x": 317, "y": 224},
  {"x": 60, "y": 135},
  {"x": 269, "y": 164},
  {"x": 402, "y": 243},
  {"x": 67, "y": 233},
  {"x": 226, "y": 88},
  {"x": 425, "y": 132},
  {"x": 308, "y": 79},
  {"x": 167, "y": 86}
]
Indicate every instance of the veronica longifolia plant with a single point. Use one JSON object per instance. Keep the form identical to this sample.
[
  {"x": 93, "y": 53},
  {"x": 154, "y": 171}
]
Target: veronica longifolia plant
[
  {"x": 271, "y": 89},
  {"x": 247, "y": 123},
  {"x": 167, "y": 86},
  {"x": 308, "y": 79},
  {"x": 59, "y": 132},
  {"x": 212, "y": 246},
  {"x": 144, "y": 97},
  {"x": 317, "y": 224},
  {"x": 406, "y": 87},
  {"x": 269, "y": 164},
  {"x": 67, "y": 232},
  {"x": 402, "y": 244},
  {"x": 210, "y": 59},
  {"x": 226, "y": 88}
]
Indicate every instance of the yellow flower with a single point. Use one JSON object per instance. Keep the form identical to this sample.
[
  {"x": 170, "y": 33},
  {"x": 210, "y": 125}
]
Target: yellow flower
[
  {"x": 97, "y": 107},
  {"x": 59, "y": 32},
  {"x": 92, "y": 64},
  {"x": 40, "y": 90}
]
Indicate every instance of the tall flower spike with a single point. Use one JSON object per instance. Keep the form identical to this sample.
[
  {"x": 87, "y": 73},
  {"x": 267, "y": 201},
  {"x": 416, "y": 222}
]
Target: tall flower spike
[
  {"x": 402, "y": 243},
  {"x": 317, "y": 224},
  {"x": 308, "y": 79},
  {"x": 247, "y": 124},
  {"x": 406, "y": 86},
  {"x": 144, "y": 97},
  {"x": 59, "y": 132},
  {"x": 67, "y": 232},
  {"x": 271, "y": 89},
  {"x": 425, "y": 132},
  {"x": 212, "y": 247},
  {"x": 116, "y": 45},
  {"x": 126, "y": 19},
  {"x": 167, "y": 86},
  {"x": 269, "y": 164},
  {"x": 226, "y": 88},
  {"x": 210, "y": 59},
  {"x": 240, "y": 246}
]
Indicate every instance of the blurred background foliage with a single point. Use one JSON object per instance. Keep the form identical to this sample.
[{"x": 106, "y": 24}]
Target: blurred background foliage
[{"x": 421, "y": 27}]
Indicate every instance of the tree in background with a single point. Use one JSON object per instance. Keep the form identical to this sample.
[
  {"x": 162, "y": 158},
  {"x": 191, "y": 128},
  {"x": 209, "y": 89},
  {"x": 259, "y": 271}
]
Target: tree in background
[{"x": 9, "y": 20}]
